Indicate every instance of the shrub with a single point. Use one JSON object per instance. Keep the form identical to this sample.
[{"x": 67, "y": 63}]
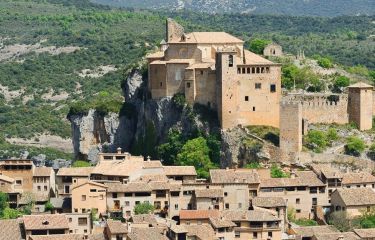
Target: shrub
[
  {"x": 305, "y": 222},
  {"x": 325, "y": 62},
  {"x": 48, "y": 206},
  {"x": 316, "y": 140},
  {"x": 143, "y": 208},
  {"x": 252, "y": 165},
  {"x": 354, "y": 146},
  {"x": 332, "y": 134},
  {"x": 341, "y": 82},
  {"x": 80, "y": 163},
  {"x": 277, "y": 172}
]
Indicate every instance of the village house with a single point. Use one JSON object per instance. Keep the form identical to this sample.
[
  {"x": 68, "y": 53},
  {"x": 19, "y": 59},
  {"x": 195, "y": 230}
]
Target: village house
[
  {"x": 44, "y": 181},
  {"x": 238, "y": 185},
  {"x": 66, "y": 177},
  {"x": 45, "y": 224},
  {"x": 21, "y": 170},
  {"x": 116, "y": 230},
  {"x": 354, "y": 201},
  {"x": 79, "y": 223},
  {"x": 89, "y": 196},
  {"x": 214, "y": 69},
  {"x": 273, "y": 50},
  {"x": 303, "y": 191},
  {"x": 254, "y": 224},
  {"x": 308, "y": 232},
  {"x": 276, "y": 204}
]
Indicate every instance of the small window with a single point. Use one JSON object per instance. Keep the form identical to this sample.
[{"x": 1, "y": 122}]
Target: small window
[
  {"x": 82, "y": 221},
  {"x": 70, "y": 219},
  {"x": 188, "y": 85},
  {"x": 161, "y": 84},
  {"x": 273, "y": 88},
  {"x": 227, "y": 206},
  {"x": 255, "y": 235},
  {"x": 298, "y": 201},
  {"x": 270, "y": 234},
  {"x": 201, "y": 72},
  {"x": 18, "y": 182},
  {"x": 114, "y": 195},
  {"x": 246, "y": 98},
  {"x": 298, "y": 210},
  {"x": 199, "y": 222},
  {"x": 230, "y": 61},
  {"x": 39, "y": 188},
  {"x": 258, "y": 85},
  {"x": 225, "y": 194},
  {"x": 176, "y": 206},
  {"x": 248, "y": 70},
  {"x": 243, "y": 70},
  {"x": 127, "y": 203},
  {"x": 253, "y": 109},
  {"x": 238, "y": 70},
  {"x": 45, "y": 188},
  {"x": 92, "y": 190},
  {"x": 239, "y": 205},
  {"x": 83, "y": 198},
  {"x": 237, "y": 234}
]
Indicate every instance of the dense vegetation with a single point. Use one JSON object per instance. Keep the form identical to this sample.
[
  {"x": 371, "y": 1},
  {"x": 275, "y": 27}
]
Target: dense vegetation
[{"x": 287, "y": 7}]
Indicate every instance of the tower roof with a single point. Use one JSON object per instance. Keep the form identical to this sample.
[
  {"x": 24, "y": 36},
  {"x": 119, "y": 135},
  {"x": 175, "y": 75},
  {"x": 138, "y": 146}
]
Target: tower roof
[{"x": 360, "y": 85}]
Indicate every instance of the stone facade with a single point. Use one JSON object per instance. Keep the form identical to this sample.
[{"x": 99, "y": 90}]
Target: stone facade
[
  {"x": 214, "y": 69},
  {"x": 273, "y": 50}
]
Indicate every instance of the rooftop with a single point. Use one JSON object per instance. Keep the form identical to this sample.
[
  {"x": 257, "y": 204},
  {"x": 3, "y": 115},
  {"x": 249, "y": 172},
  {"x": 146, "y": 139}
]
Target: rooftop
[
  {"x": 303, "y": 178},
  {"x": 42, "y": 171},
  {"x": 312, "y": 230},
  {"x": 365, "y": 233},
  {"x": 247, "y": 176},
  {"x": 209, "y": 193},
  {"x": 269, "y": 202},
  {"x": 208, "y": 38},
  {"x": 336, "y": 236},
  {"x": 199, "y": 214},
  {"x": 203, "y": 231},
  {"x": 47, "y": 221},
  {"x": 180, "y": 171},
  {"x": 221, "y": 223},
  {"x": 11, "y": 229},
  {"x": 361, "y": 177},
  {"x": 75, "y": 172},
  {"x": 256, "y": 215},
  {"x": 6, "y": 178},
  {"x": 141, "y": 233},
  {"x": 361, "y": 85},
  {"x": 116, "y": 227},
  {"x": 129, "y": 187},
  {"x": 357, "y": 196}
]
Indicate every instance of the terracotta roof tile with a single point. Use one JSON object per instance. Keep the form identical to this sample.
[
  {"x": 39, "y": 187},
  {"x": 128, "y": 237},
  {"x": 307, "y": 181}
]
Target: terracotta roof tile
[
  {"x": 180, "y": 171},
  {"x": 208, "y": 37},
  {"x": 42, "y": 171},
  {"x": 129, "y": 187},
  {"x": 312, "y": 230},
  {"x": 199, "y": 214},
  {"x": 47, "y": 221},
  {"x": 6, "y": 178},
  {"x": 335, "y": 236},
  {"x": 142, "y": 233},
  {"x": 357, "y": 196},
  {"x": 247, "y": 176},
  {"x": 256, "y": 215},
  {"x": 221, "y": 223},
  {"x": 360, "y": 178},
  {"x": 303, "y": 178},
  {"x": 11, "y": 230},
  {"x": 79, "y": 172},
  {"x": 365, "y": 233},
  {"x": 269, "y": 202},
  {"x": 209, "y": 193},
  {"x": 116, "y": 227},
  {"x": 203, "y": 231}
]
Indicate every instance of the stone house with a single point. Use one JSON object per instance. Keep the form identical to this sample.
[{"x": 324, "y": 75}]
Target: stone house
[
  {"x": 21, "y": 170},
  {"x": 304, "y": 192},
  {"x": 254, "y": 224},
  {"x": 354, "y": 201},
  {"x": 79, "y": 223},
  {"x": 89, "y": 195},
  {"x": 67, "y": 177},
  {"x": 44, "y": 181},
  {"x": 276, "y": 204},
  {"x": 197, "y": 217},
  {"x": 206, "y": 199},
  {"x": 239, "y": 185},
  {"x": 48, "y": 224},
  {"x": 308, "y": 232},
  {"x": 273, "y": 50},
  {"x": 116, "y": 230},
  {"x": 214, "y": 69},
  {"x": 6, "y": 184}
]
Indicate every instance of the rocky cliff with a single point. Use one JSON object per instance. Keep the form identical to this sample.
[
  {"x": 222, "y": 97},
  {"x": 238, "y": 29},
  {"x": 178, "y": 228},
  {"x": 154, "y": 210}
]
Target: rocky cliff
[{"x": 141, "y": 125}]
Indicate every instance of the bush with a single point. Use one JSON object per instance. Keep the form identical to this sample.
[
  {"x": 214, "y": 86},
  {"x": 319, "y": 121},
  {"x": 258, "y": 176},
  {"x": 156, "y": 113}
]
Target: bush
[
  {"x": 10, "y": 213},
  {"x": 316, "y": 140},
  {"x": 341, "y": 82},
  {"x": 354, "y": 146},
  {"x": 143, "y": 208},
  {"x": 332, "y": 134},
  {"x": 252, "y": 165},
  {"x": 80, "y": 163},
  {"x": 325, "y": 62},
  {"x": 48, "y": 206},
  {"x": 305, "y": 222},
  {"x": 277, "y": 172}
]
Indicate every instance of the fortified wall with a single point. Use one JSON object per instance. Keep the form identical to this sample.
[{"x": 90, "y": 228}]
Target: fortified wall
[{"x": 297, "y": 111}]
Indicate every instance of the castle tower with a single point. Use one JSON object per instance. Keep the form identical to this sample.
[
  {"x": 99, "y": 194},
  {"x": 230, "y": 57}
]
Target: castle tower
[
  {"x": 226, "y": 87},
  {"x": 360, "y": 105},
  {"x": 174, "y": 30},
  {"x": 291, "y": 129}
]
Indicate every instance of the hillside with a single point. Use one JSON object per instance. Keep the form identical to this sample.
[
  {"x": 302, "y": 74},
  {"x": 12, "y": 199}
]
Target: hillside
[
  {"x": 53, "y": 56},
  {"x": 285, "y": 7}
]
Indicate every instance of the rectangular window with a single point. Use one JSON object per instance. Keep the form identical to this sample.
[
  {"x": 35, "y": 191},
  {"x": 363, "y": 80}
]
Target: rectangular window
[
  {"x": 239, "y": 205},
  {"x": 39, "y": 188},
  {"x": 225, "y": 194},
  {"x": 114, "y": 195},
  {"x": 253, "y": 109},
  {"x": 66, "y": 189},
  {"x": 230, "y": 61},
  {"x": 270, "y": 234},
  {"x": 161, "y": 84},
  {"x": 45, "y": 188},
  {"x": 127, "y": 203},
  {"x": 82, "y": 221},
  {"x": 128, "y": 194},
  {"x": 92, "y": 190},
  {"x": 255, "y": 235},
  {"x": 227, "y": 206},
  {"x": 258, "y": 85},
  {"x": 246, "y": 98},
  {"x": 188, "y": 85},
  {"x": 176, "y": 206},
  {"x": 101, "y": 197},
  {"x": 157, "y": 205},
  {"x": 273, "y": 88},
  {"x": 18, "y": 182},
  {"x": 237, "y": 234},
  {"x": 298, "y": 201},
  {"x": 83, "y": 198}
]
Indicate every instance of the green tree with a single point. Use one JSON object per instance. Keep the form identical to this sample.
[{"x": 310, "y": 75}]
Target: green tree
[
  {"x": 341, "y": 82},
  {"x": 195, "y": 153},
  {"x": 3, "y": 203},
  {"x": 168, "y": 151},
  {"x": 340, "y": 221},
  {"x": 257, "y": 45},
  {"x": 143, "y": 208},
  {"x": 316, "y": 140},
  {"x": 81, "y": 163},
  {"x": 354, "y": 146},
  {"x": 48, "y": 206}
]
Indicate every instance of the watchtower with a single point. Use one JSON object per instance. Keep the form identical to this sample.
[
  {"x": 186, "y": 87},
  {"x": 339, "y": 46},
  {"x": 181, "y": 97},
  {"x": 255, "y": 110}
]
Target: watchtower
[{"x": 360, "y": 105}]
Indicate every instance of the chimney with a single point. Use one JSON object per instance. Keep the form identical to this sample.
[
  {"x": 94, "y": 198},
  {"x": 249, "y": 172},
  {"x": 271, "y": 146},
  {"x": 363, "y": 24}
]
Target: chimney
[{"x": 119, "y": 150}]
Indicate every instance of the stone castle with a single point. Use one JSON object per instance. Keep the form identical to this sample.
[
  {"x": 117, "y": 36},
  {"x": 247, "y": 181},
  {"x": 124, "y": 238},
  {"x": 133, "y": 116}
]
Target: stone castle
[{"x": 214, "y": 69}]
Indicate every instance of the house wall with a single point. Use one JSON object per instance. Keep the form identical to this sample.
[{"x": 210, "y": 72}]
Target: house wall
[
  {"x": 76, "y": 225},
  {"x": 94, "y": 200}
]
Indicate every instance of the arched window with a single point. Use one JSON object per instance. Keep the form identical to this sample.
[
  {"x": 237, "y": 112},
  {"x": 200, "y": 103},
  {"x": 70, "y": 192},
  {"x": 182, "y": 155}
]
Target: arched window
[
  {"x": 248, "y": 70},
  {"x": 258, "y": 69}
]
